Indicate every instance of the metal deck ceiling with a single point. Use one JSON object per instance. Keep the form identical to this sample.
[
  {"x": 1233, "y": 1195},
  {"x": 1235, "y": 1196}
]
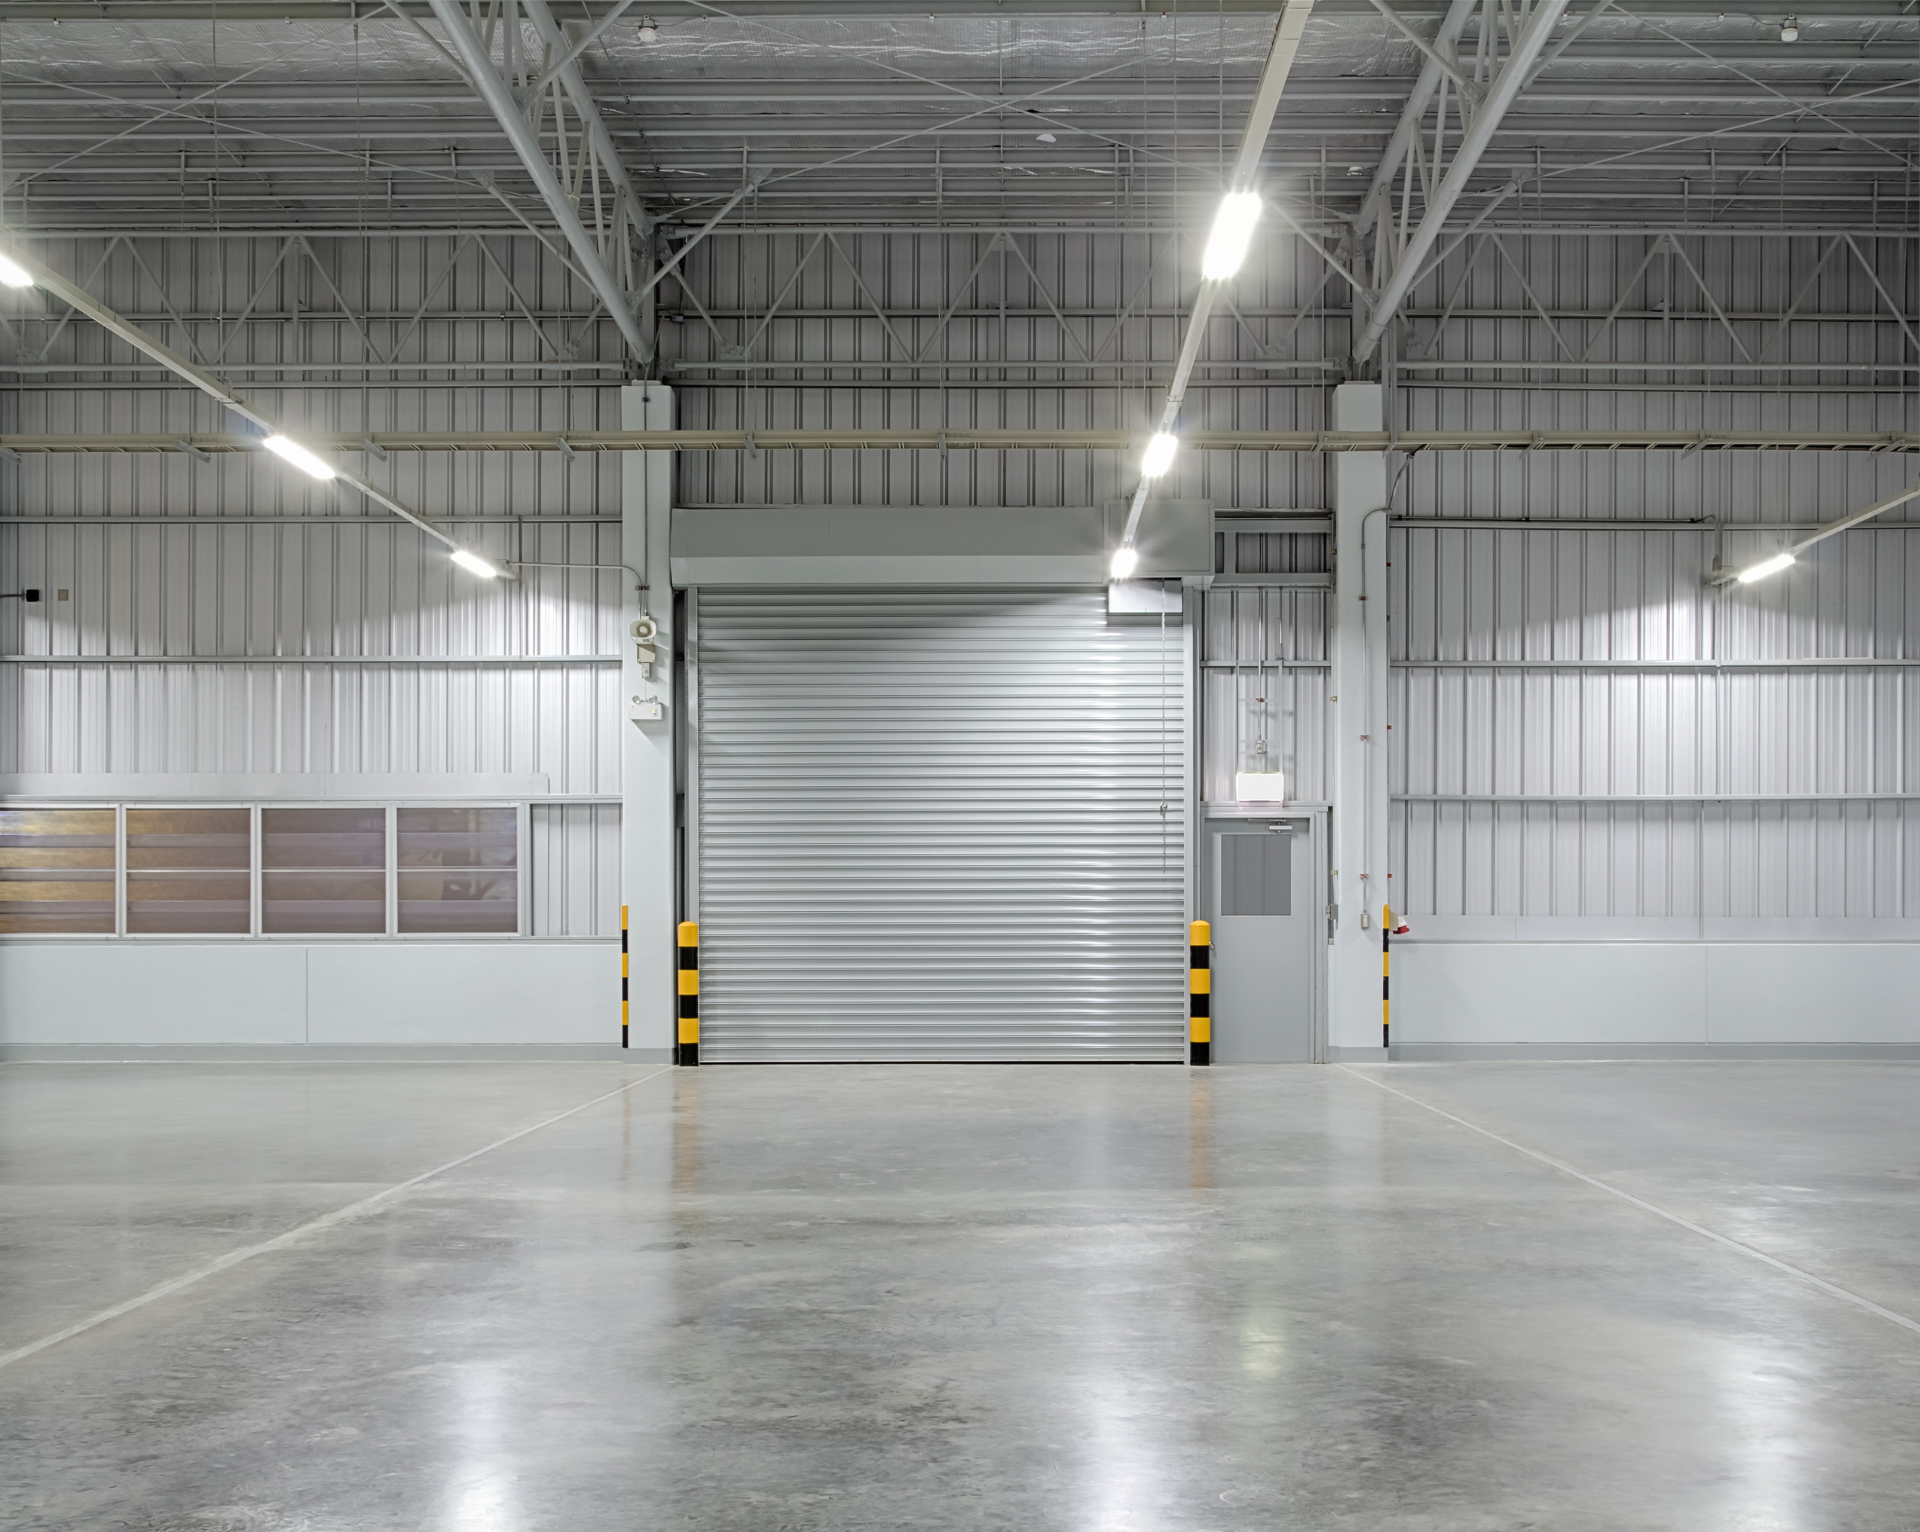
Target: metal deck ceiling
[{"x": 881, "y": 115}]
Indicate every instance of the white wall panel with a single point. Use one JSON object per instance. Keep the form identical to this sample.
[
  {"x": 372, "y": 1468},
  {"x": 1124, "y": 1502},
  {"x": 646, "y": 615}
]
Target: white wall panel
[
  {"x": 576, "y": 869},
  {"x": 292, "y": 650},
  {"x": 1598, "y": 665},
  {"x": 1263, "y": 678},
  {"x": 160, "y": 995}
]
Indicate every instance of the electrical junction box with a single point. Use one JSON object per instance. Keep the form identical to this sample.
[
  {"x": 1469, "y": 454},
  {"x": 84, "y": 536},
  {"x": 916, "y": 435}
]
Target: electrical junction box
[{"x": 646, "y": 709}]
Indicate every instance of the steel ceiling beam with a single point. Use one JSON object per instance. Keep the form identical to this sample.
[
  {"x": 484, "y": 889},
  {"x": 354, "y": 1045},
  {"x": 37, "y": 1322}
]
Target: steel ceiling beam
[
  {"x": 1418, "y": 100},
  {"x": 1500, "y": 94},
  {"x": 1124, "y": 11},
  {"x": 499, "y": 98},
  {"x": 991, "y": 440}
]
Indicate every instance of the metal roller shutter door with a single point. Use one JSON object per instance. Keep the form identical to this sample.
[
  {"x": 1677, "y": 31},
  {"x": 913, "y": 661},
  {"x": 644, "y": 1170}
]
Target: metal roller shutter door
[{"x": 940, "y": 825}]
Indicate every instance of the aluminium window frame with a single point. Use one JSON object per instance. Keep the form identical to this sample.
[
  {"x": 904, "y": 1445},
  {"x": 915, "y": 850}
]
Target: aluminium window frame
[{"x": 523, "y": 873}]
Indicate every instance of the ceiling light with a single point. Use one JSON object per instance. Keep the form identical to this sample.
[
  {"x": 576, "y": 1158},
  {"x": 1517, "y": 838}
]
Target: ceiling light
[
  {"x": 298, "y": 455},
  {"x": 1259, "y": 787},
  {"x": 649, "y": 30},
  {"x": 474, "y": 564},
  {"x": 1232, "y": 229},
  {"x": 13, "y": 275},
  {"x": 1790, "y": 30},
  {"x": 1158, "y": 457},
  {"x": 1125, "y": 561},
  {"x": 1356, "y": 170},
  {"x": 1759, "y": 571},
  {"x": 1046, "y": 138}
]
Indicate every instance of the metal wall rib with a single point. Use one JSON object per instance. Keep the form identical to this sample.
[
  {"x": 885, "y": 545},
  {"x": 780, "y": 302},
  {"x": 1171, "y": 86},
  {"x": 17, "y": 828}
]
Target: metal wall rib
[
  {"x": 1598, "y": 666},
  {"x": 1263, "y": 681},
  {"x": 938, "y": 825}
]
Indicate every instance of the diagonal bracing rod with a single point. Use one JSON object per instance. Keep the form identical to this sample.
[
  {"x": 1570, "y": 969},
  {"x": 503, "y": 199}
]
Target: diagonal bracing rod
[{"x": 1501, "y": 95}]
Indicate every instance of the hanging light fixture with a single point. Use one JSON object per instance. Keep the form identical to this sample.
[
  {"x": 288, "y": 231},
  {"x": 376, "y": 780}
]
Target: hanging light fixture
[
  {"x": 14, "y": 274},
  {"x": 474, "y": 564},
  {"x": 1158, "y": 457},
  {"x": 1232, "y": 232},
  {"x": 286, "y": 447}
]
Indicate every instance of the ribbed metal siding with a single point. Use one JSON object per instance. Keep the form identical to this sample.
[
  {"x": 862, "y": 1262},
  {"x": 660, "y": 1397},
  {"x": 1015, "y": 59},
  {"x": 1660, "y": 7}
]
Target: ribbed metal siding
[
  {"x": 91, "y": 688},
  {"x": 1538, "y": 663},
  {"x": 1263, "y": 677},
  {"x": 938, "y": 825}
]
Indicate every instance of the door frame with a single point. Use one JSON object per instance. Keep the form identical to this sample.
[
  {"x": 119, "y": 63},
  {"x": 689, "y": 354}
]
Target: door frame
[{"x": 1314, "y": 818}]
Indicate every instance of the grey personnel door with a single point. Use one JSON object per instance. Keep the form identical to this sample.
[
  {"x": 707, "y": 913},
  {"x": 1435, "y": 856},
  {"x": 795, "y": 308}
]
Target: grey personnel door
[{"x": 1266, "y": 910}]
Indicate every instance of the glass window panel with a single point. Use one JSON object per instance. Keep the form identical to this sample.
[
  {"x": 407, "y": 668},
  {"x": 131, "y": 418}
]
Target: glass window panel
[
  {"x": 459, "y": 869},
  {"x": 187, "y": 871},
  {"x": 323, "y": 871},
  {"x": 56, "y": 870}
]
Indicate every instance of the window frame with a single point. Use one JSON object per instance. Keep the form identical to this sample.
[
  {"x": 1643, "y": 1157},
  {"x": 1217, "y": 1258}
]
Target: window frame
[{"x": 523, "y": 872}]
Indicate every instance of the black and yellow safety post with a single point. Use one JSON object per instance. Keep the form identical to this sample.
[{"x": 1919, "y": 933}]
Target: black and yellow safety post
[
  {"x": 623, "y": 976},
  {"x": 1200, "y": 993},
  {"x": 1386, "y": 929},
  {"x": 689, "y": 1050}
]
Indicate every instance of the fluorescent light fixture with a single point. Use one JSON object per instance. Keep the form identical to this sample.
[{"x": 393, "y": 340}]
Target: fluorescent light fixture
[
  {"x": 294, "y": 453},
  {"x": 1759, "y": 571},
  {"x": 474, "y": 564},
  {"x": 13, "y": 274},
  {"x": 1232, "y": 229},
  {"x": 1125, "y": 561},
  {"x": 1259, "y": 787},
  {"x": 1158, "y": 457}
]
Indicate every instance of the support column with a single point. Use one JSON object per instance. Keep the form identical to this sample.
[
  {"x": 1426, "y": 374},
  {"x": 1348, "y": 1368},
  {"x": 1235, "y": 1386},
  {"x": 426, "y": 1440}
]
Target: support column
[
  {"x": 648, "y": 842},
  {"x": 1358, "y": 726}
]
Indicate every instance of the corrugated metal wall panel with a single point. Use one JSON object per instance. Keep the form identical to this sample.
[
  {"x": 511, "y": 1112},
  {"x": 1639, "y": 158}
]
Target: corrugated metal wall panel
[
  {"x": 283, "y": 593},
  {"x": 1023, "y": 330},
  {"x": 576, "y": 869},
  {"x": 1263, "y": 668},
  {"x": 1607, "y": 721},
  {"x": 938, "y": 825}
]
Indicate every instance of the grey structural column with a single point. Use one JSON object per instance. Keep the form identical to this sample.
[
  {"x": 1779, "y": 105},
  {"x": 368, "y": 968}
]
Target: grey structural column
[
  {"x": 648, "y": 843},
  {"x": 1358, "y": 725}
]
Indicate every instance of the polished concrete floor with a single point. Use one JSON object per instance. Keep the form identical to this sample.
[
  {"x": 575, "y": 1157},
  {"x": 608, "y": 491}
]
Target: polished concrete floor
[{"x": 1110, "y": 1299}]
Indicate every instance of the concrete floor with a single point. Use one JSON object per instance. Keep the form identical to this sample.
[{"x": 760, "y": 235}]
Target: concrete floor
[{"x": 1008, "y": 1298}]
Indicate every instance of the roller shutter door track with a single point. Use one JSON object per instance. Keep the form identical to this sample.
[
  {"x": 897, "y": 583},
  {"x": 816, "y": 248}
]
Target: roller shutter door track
[{"x": 930, "y": 827}]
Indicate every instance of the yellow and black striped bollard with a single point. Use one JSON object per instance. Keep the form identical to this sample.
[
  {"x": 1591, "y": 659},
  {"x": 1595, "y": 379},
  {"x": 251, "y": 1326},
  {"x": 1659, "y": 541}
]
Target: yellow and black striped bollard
[
  {"x": 689, "y": 1050},
  {"x": 623, "y": 976},
  {"x": 1386, "y": 929},
  {"x": 1200, "y": 993}
]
